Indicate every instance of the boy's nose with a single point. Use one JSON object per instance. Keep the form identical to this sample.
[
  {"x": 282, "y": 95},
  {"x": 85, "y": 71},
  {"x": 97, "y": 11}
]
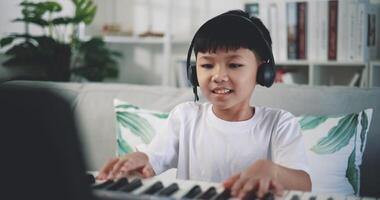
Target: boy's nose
[{"x": 220, "y": 75}]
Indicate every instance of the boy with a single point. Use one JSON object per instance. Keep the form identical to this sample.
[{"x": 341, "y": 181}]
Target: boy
[{"x": 249, "y": 148}]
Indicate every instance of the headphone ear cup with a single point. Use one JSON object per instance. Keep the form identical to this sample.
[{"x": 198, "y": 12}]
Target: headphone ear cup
[
  {"x": 192, "y": 76},
  {"x": 265, "y": 75}
]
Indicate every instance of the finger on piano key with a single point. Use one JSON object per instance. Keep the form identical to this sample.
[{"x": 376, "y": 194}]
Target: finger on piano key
[
  {"x": 103, "y": 184},
  {"x": 193, "y": 192},
  {"x": 136, "y": 183},
  {"x": 169, "y": 190},
  {"x": 208, "y": 194}
]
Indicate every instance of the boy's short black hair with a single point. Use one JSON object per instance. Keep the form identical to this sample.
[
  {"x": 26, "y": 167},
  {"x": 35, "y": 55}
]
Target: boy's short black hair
[{"x": 232, "y": 34}]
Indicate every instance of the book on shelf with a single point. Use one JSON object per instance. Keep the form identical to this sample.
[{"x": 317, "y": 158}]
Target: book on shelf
[
  {"x": 322, "y": 30},
  {"x": 292, "y": 33},
  {"x": 332, "y": 29},
  {"x": 301, "y": 29}
]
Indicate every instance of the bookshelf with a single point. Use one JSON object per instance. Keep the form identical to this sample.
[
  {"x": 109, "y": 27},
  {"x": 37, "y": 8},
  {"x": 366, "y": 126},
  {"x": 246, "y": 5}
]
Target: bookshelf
[
  {"x": 179, "y": 22},
  {"x": 374, "y": 73},
  {"x": 121, "y": 18},
  {"x": 323, "y": 42}
]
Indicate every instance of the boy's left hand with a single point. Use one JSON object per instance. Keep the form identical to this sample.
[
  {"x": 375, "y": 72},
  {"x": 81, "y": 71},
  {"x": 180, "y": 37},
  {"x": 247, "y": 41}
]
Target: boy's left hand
[{"x": 259, "y": 178}]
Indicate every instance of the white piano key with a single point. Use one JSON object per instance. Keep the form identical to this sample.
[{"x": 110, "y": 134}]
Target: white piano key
[
  {"x": 353, "y": 198},
  {"x": 331, "y": 196},
  {"x": 368, "y": 198}
]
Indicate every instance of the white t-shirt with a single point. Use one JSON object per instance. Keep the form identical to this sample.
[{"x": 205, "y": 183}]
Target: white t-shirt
[{"x": 204, "y": 147}]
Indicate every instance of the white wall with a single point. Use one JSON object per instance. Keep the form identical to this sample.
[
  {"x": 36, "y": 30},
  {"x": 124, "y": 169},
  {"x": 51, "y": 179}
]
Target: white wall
[{"x": 142, "y": 63}]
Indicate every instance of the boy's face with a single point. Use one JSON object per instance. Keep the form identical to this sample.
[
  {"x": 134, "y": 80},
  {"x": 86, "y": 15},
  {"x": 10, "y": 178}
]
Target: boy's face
[{"x": 227, "y": 78}]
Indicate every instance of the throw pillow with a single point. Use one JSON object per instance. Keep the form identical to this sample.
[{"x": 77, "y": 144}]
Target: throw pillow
[
  {"x": 335, "y": 146},
  {"x": 136, "y": 126}
]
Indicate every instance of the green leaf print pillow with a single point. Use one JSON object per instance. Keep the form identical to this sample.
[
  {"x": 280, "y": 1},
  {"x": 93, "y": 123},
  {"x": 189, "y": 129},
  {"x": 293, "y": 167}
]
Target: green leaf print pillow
[
  {"x": 135, "y": 127},
  {"x": 335, "y": 146}
]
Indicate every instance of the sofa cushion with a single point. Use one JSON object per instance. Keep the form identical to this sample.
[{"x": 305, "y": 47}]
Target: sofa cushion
[
  {"x": 335, "y": 146},
  {"x": 334, "y": 143},
  {"x": 135, "y": 127}
]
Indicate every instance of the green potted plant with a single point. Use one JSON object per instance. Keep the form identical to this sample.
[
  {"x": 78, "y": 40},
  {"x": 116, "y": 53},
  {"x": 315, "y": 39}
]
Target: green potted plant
[{"x": 56, "y": 54}]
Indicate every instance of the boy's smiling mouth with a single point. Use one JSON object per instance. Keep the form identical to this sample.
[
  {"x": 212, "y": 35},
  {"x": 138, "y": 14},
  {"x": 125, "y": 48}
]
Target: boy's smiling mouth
[{"x": 222, "y": 91}]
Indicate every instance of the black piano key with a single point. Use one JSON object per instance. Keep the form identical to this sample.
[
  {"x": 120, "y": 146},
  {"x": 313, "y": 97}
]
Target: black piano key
[
  {"x": 169, "y": 190},
  {"x": 295, "y": 197},
  {"x": 226, "y": 194},
  {"x": 117, "y": 184},
  {"x": 136, "y": 183},
  {"x": 208, "y": 194},
  {"x": 90, "y": 179},
  {"x": 193, "y": 192},
  {"x": 103, "y": 185},
  {"x": 268, "y": 196},
  {"x": 313, "y": 198},
  {"x": 157, "y": 186},
  {"x": 250, "y": 196}
]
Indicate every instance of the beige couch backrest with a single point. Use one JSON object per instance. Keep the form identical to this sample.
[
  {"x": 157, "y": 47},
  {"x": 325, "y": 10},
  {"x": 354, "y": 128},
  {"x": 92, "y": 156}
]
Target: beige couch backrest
[{"x": 93, "y": 105}]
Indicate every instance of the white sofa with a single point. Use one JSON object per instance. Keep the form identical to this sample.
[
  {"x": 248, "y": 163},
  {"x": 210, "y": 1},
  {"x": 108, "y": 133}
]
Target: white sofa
[{"x": 93, "y": 105}]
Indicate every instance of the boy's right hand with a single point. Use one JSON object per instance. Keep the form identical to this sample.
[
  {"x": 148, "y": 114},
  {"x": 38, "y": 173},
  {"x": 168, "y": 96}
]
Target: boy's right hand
[{"x": 126, "y": 165}]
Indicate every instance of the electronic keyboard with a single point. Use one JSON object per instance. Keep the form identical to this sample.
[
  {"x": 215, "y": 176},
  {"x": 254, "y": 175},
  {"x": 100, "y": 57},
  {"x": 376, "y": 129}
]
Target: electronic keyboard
[{"x": 158, "y": 188}]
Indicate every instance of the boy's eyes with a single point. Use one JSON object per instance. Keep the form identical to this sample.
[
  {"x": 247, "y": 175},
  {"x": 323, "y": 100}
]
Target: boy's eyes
[
  {"x": 231, "y": 65},
  {"x": 207, "y": 66},
  {"x": 235, "y": 65}
]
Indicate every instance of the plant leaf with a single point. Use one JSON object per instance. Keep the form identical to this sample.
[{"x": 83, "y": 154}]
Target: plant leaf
[
  {"x": 85, "y": 11},
  {"x": 311, "y": 122},
  {"x": 6, "y": 41},
  {"x": 33, "y": 20},
  {"x": 352, "y": 173},
  {"x": 62, "y": 21},
  {"x": 338, "y": 136}
]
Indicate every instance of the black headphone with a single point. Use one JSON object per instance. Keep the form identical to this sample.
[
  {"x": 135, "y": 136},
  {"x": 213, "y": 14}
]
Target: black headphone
[{"x": 265, "y": 73}]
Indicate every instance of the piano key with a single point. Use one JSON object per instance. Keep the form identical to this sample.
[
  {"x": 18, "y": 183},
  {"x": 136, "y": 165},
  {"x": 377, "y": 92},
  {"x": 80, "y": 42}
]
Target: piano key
[
  {"x": 309, "y": 196},
  {"x": 169, "y": 190},
  {"x": 208, "y": 194},
  {"x": 293, "y": 195},
  {"x": 269, "y": 196},
  {"x": 117, "y": 184},
  {"x": 90, "y": 179},
  {"x": 353, "y": 198},
  {"x": 136, "y": 183},
  {"x": 193, "y": 192},
  {"x": 251, "y": 196},
  {"x": 103, "y": 185},
  {"x": 157, "y": 186},
  {"x": 226, "y": 194}
]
